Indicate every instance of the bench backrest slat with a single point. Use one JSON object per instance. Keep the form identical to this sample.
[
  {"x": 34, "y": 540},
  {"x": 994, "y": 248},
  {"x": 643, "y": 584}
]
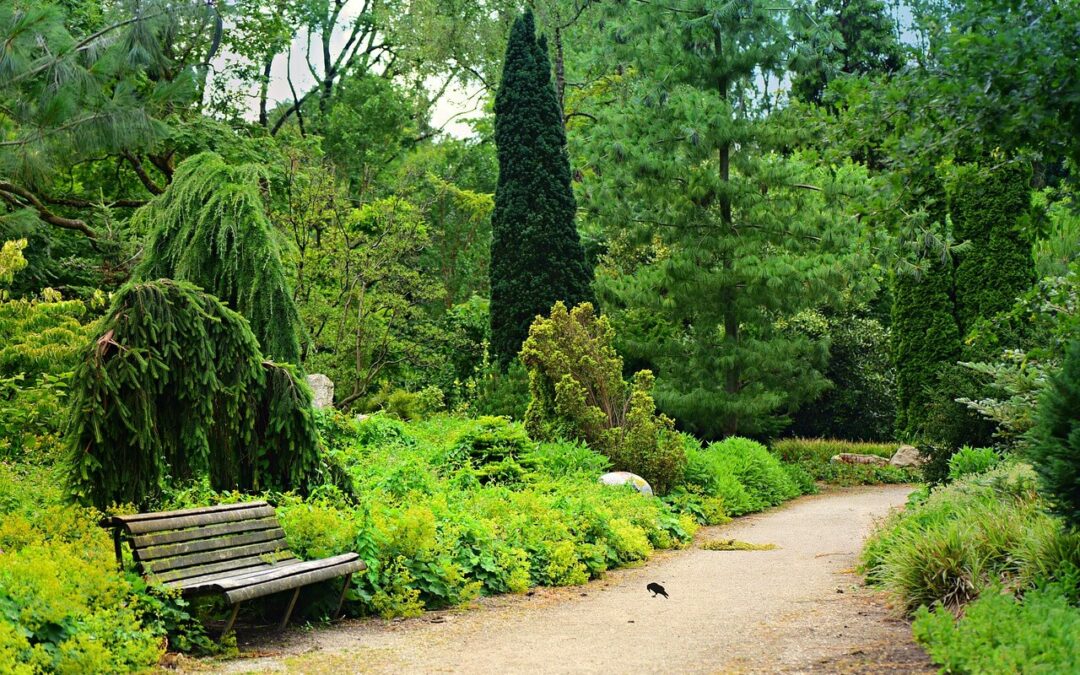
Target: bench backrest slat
[
  {"x": 178, "y": 520},
  {"x": 234, "y": 564},
  {"x": 220, "y": 555},
  {"x": 174, "y": 545},
  {"x": 187, "y": 548},
  {"x": 191, "y": 534}
]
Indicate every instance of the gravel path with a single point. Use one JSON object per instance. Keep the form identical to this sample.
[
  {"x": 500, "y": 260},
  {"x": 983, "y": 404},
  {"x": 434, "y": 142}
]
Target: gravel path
[{"x": 798, "y": 608}]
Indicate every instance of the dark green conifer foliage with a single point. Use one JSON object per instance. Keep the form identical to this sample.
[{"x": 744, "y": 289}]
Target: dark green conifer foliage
[
  {"x": 988, "y": 208},
  {"x": 836, "y": 37},
  {"x": 1056, "y": 451},
  {"x": 926, "y": 339},
  {"x": 536, "y": 254},
  {"x": 685, "y": 165},
  {"x": 175, "y": 387},
  {"x": 210, "y": 228}
]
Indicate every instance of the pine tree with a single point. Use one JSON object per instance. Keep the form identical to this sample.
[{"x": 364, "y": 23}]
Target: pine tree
[
  {"x": 175, "y": 387},
  {"x": 210, "y": 228},
  {"x": 536, "y": 254},
  {"x": 837, "y": 37},
  {"x": 988, "y": 208},
  {"x": 740, "y": 235}
]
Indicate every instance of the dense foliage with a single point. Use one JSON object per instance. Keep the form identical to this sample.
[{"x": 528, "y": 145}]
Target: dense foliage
[
  {"x": 847, "y": 219},
  {"x": 536, "y": 255},
  {"x": 1056, "y": 451},
  {"x": 174, "y": 388},
  {"x": 577, "y": 391},
  {"x": 986, "y": 544},
  {"x": 210, "y": 229}
]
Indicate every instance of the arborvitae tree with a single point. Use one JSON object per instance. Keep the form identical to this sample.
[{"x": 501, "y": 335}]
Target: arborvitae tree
[
  {"x": 210, "y": 228},
  {"x": 1056, "y": 450},
  {"x": 175, "y": 387},
  {"x": 988, "y": 209},
  {"x": 739, "y": 235},
  {"x": 925, "y": 337},
  {"x": 536, "y": 254},
  {"x": 835, "y": 37}
]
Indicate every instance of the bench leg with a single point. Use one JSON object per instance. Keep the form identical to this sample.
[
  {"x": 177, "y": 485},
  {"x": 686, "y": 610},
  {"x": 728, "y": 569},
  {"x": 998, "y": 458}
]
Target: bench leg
[
  {"x": 341, "y": 598},
  {"x": 231, "y": 621},
  {"x": 288, "y": 612}
]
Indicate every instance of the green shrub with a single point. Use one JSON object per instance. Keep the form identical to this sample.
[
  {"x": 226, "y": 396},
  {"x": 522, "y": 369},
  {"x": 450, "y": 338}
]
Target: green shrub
[
  {"x": 1000, "y": 634},
  {"x": 968, "y": 460},
  {"x": 577, "y": 391},
  {"x": 64, "y": 607},
  {"x": 1056, "y": 450},
  {"x": 960, "y": 540},
  {"x": 708, "y": 474},
  {"x": 563, "y": 459}
]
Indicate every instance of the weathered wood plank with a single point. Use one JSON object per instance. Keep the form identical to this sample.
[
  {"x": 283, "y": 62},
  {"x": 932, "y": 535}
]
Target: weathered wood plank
[
  {"x": 197, "y": 520},
  {"x": 292, "y": 581},
  {"x": 205, "y": 532},
  {"x": 239, "y": 577},
  {"x": 158, "y": 515},
  {"x": 220, "y": 555},
  {"x": 186, "y": 548},
  {"x": 171, "y": 577}
]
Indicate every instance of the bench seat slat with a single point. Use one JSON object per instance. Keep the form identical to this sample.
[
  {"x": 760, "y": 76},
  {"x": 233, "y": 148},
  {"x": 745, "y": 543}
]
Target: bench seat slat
[
  {"x": 256, "y": 586},
  {"x": 206, "y": 579},
  {"x": 196, "y": 520},
  {"x": 159, "y": 515},
  {"x": 220, "y": 555},
  {"x": 227, "y": 566},
  {"x": 206, "y": 532},
  {"x": 187, "y": 548}
]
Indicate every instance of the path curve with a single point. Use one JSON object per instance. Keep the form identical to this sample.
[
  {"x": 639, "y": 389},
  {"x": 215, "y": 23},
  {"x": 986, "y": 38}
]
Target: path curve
[{"x": 799, "y": 608}]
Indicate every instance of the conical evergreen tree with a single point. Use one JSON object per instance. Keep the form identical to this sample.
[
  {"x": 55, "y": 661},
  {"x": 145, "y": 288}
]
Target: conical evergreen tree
[
  {"x": 1056, "y": 451},
  {"x": 210, "y": 228},
  {"x": 925, "y": 336},
  {"x": 988, "y": 206},
  {"x": 536, "y": 254},
  {"x": 925, "y": 339}
]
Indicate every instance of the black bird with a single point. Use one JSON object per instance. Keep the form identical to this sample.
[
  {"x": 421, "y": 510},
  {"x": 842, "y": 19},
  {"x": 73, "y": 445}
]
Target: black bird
[{"x": 656, "y": 589}]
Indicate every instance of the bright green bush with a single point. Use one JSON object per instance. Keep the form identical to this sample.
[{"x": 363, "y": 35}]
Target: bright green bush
[
  {"x": 757, "y": 469},
  {"x": 983, "y": 529},
  {"x": 1001, "y": 634},
  {"x": 968, "y": 460},
  {"x": 577, "y": 391},
  {"x": 63, "y": 605}
]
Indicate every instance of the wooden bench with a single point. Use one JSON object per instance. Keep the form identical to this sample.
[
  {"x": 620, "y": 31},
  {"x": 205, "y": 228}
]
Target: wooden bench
[{"x": 235, "y": 550}]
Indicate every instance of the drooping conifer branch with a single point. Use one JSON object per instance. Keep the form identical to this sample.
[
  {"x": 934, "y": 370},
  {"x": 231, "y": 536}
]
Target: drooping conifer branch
[
  {"x": 210, "y": 228},
  {"x": 175, "y": 388}
]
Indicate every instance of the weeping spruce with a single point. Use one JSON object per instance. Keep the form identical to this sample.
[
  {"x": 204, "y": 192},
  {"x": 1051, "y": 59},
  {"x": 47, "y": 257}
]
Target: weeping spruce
[
  {"x": 175, "y": 389},
  {"x": 536, "y": 254},
  {"x": 210, "y": 228}
]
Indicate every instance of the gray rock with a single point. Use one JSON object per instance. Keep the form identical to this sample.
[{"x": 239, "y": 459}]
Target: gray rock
[
  {"x": 624, "y": 478},
  {"x": 907, "y": 456},
  {"x": 322, "y": 388},
  {"x": 852, "y": 458}
]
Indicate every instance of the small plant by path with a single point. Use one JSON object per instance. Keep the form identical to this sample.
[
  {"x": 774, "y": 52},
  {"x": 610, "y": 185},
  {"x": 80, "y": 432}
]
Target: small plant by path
[{"x": 735, "y": 545}]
